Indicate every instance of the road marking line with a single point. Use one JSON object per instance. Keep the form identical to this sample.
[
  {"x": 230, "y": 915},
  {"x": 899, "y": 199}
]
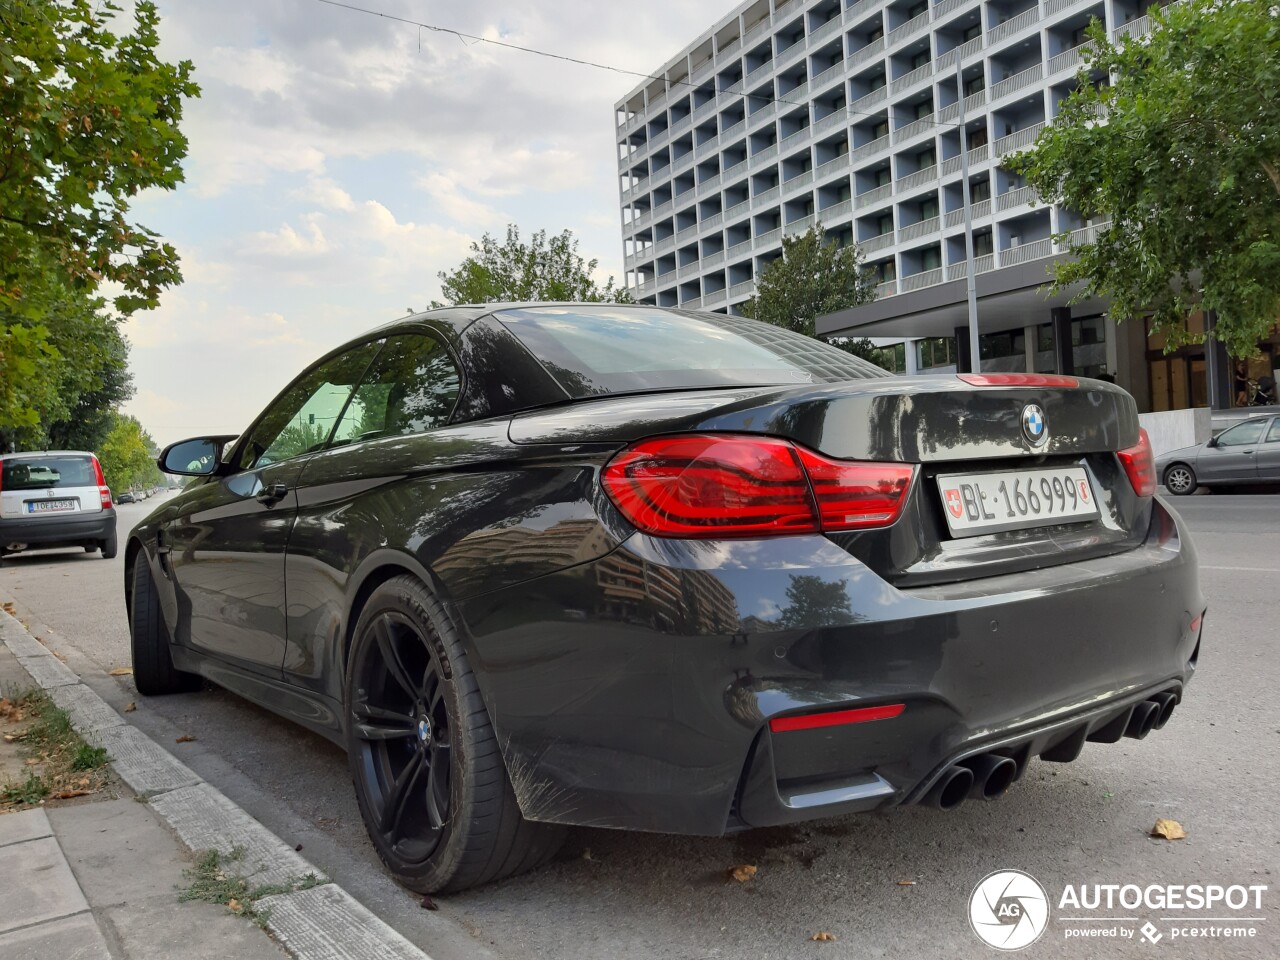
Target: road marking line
[{"x": 1205, "y": 566}]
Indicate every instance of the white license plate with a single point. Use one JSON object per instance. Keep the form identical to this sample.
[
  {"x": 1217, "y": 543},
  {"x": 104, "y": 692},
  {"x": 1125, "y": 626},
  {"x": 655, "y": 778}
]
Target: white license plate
[
  {"x": 976, "y": 503},
  {"x": 50, "y": 506}
]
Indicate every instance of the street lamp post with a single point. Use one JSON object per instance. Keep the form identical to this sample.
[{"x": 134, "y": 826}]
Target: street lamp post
[{"x": 971, "y": 270}]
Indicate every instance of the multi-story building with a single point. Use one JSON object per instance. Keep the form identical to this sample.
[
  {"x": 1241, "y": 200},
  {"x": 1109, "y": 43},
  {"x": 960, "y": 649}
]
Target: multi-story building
[{"x": 852, "y": 113}]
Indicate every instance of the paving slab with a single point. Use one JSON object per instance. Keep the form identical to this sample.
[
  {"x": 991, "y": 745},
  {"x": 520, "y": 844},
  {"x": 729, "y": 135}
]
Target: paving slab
[
  {"x": 71, "y": 938},
  {"x": 19, "y": 827},
  {"x": 206, "y": 820},
  {"x": 328, "y": 922},
  {"x": 45, "y": 887},
  {"x": 141, "y": 762},
  {"x": 88, "y": 710}
]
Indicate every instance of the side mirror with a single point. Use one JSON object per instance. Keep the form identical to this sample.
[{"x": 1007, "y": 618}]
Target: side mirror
[
  {"x": 193, "y": 458},
  {"x": 1213, "y": 441}
]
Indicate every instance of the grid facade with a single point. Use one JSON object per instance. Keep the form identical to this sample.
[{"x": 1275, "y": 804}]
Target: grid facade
[{"x": 847, "y": 113}]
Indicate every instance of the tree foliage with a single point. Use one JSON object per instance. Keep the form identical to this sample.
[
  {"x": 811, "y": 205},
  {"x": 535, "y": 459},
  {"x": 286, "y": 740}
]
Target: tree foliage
[
  {"x": 814, "y": 276},
  {"x": 1185, "y": 166},
  {"x": 127, "y": 455},
  {"x": 91, "y": 118},
  {"x": 62, "y": 377},
  {"x": 543, "y": 269}
]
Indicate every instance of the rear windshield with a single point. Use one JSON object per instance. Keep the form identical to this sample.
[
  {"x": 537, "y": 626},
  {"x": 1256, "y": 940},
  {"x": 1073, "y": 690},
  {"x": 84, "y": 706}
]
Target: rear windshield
[
  {"x": 591, "y": 351},
  {"x": 41, "y": 473}
]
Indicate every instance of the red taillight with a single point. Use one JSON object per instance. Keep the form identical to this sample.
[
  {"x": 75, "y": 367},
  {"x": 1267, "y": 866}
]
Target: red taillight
[
  {"x": 709, "y": 486},
  {"x": 1018, "y": 380},
  {"x": 853, "y": 496},
  {"x": 104, "y": 493},
  {"x": 1140, "y": 465},
  {"x": 835, "y": 718}
]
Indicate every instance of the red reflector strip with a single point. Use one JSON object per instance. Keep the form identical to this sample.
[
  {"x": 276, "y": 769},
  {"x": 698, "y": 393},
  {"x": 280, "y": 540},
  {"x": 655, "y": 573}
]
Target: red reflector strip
[
  {"x": 1195, "y": 624},
  {"x": 835, "y": 718},
  {"x": 1018, "y": 380}
]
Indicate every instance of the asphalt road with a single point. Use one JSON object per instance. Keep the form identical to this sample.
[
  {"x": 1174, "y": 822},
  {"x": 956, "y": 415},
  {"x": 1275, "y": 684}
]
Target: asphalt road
[{"x": 1215, "y": 769}]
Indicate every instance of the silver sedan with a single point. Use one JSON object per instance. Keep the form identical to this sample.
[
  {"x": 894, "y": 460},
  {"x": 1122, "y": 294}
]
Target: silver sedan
[{"x": 1247, "y": 453}]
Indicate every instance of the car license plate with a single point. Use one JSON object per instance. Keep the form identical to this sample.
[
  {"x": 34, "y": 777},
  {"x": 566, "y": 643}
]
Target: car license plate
[
  {"x": 977, "y": 503},
  {"x": 50, "y": 506}
]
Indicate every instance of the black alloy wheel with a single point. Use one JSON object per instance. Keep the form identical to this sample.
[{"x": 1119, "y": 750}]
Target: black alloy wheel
[
  {"x": 429, "y": 775},
  {"x": 400, "y": 726}
]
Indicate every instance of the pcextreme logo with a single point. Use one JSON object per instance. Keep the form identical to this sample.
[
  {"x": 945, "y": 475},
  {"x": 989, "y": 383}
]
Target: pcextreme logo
[{"x": 1009, "y": 910}]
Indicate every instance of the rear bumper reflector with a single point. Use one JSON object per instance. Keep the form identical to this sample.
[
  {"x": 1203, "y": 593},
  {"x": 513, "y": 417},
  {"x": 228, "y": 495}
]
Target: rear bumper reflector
[{"x": 835, "y": 718}]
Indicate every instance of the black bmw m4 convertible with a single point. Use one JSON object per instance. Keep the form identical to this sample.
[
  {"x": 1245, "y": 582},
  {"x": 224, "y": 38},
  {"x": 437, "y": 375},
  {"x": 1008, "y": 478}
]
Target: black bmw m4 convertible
[{"x": 632, "y": 567}]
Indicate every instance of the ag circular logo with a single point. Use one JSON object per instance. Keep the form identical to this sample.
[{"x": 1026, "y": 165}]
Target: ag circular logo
[
  {"x": 1009, "y": 910},
  {"x": 1033, "y": 425}
]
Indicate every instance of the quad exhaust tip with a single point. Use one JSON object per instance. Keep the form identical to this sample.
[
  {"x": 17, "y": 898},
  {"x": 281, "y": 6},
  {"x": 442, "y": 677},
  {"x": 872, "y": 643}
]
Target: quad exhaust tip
[{"x": 988, "y": 775}]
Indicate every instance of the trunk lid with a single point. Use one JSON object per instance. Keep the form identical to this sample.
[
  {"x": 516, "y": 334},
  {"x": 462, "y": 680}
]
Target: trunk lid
[{"x": 945, "y": 425}]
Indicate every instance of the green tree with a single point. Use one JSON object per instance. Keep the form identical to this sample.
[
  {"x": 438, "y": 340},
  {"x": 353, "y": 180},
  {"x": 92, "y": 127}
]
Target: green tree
[
  {"x": 127, "y": 454},
  {"x": 90, "y": 119},
  {"x": 545, "y": 268},
  {"x": 814, "y": 602},
  {"x": 1181, "y": 154},
  {"x": 814, "y": 276}
]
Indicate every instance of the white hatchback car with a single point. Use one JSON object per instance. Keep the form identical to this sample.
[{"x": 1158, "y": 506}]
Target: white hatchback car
[{"x": 55, "y": 498}]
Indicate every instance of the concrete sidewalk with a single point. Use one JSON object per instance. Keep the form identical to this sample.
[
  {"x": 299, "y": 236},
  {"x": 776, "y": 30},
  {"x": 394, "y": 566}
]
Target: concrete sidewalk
[
  {"x": 97, "y": 881},
  {"x": 101, "y": 879}
]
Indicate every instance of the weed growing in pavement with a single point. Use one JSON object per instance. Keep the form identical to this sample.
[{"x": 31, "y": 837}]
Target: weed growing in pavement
[
  {"x": 63, "y": 765},
  {"x": 213, "y": 879}
]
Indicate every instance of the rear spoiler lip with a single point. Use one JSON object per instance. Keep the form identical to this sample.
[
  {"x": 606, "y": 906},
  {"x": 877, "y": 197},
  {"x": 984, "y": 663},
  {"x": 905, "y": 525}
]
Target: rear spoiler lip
[{"x": 1018, "y": 380}]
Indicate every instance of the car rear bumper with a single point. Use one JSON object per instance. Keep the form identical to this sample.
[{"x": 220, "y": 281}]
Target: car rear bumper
[
  {"x": 57, "y": 532},
  {"x": 635, "y": 691}
]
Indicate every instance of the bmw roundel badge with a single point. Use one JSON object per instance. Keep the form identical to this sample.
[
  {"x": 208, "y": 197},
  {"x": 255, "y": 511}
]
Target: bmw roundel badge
[{"x": 1034, "y": 426}]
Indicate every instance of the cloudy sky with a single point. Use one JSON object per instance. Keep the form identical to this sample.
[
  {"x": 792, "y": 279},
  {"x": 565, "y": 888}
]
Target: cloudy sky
[{"x": 338, "y": 162}]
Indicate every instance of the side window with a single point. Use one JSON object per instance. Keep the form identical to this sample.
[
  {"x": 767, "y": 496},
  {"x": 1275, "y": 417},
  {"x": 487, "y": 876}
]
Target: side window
[
  {"x": 1273, "y": 435},
  {"x": 411, "y": 387},
  {"x": 301, "y": 420},
  {"x": 1245, "y": 433}
]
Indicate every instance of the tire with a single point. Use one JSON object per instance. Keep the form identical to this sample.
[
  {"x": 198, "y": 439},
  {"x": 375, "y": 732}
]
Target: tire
[
  {"x": 1180, "y": 480},
  {"x": 153, "y": 670},
  {"x": 108, "y": 547},
  {"x": 456, "y": 823}
]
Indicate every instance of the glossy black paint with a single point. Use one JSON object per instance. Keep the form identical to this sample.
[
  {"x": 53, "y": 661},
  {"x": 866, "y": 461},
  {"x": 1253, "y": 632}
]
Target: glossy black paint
[{"x": 631, "y": 678}]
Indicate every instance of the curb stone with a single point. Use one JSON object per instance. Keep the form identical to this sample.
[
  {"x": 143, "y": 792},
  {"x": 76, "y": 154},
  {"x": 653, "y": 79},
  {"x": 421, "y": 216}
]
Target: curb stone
[{"x": 321, "y": 923}]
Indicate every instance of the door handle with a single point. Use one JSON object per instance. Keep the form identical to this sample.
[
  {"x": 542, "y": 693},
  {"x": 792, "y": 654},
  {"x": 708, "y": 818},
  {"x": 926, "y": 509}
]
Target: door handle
[{"x": 272, "y": 493}]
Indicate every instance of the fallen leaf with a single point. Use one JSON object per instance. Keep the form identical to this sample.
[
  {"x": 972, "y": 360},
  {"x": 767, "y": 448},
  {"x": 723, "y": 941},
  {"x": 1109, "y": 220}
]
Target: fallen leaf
[
  {"x": 234, "y": 905},
  {"x": 586, "y": 854},
  {"x": 428, "y": 903},
  {"x": 906, "y": 883},
  {"x": 185, "y": 738},
  {"x": 824, "y": 936},
  {"x": 1169, "y": 829},
  {"x": 9, "y": 710},
  {"x": 68, "y": 794},
  {"x": 130, "y": 707},
  {"x": 743, "y": 872},
  {"x": 32, "y": 761},
  {"x": 59, "y": 656},
  {"x": 121, "y": 672}
]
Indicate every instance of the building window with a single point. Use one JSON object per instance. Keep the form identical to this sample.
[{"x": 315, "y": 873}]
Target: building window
[
  {"x": 884, "y": 224},
  {"x": 971, "y": 32},
  {"x": 978, "y": 138},
  {"x": 983, "y": 244},
  {"x": 917, "y": 9},
  {"x": 877, "y": 81},
  {"x": 924, "y": 109},
  {"x": 920, "y": 59},
  {"x": 980, "y": 191},
  {"x": 976, "y": 85},
  {"x": 883, "y": 176},
  {"x": 931, "y": 258},
  {"x": 881, "y": 129},
  {"x": 928, "y": 209},
  {"x": 892, "y": 357},
  {"x": 935, "y": 352},
  {"x": 927, "y": 158}
]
